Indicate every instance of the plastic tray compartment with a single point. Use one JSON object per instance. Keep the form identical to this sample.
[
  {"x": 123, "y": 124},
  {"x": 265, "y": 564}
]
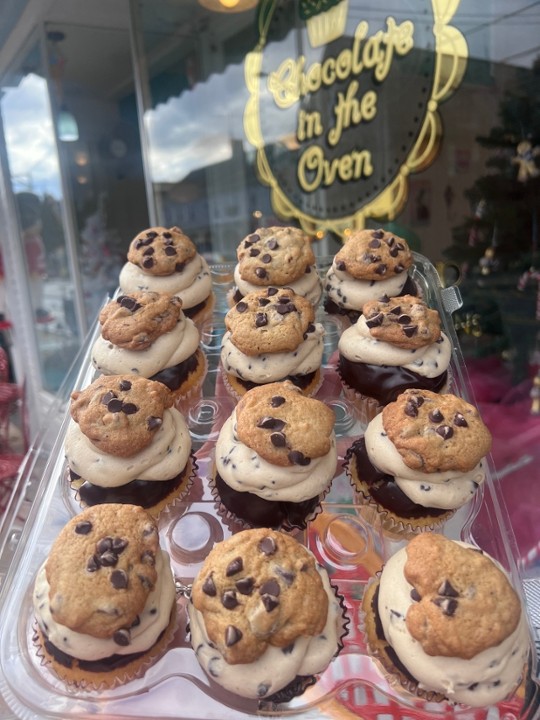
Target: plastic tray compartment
[{"x": 343, "y": 539}]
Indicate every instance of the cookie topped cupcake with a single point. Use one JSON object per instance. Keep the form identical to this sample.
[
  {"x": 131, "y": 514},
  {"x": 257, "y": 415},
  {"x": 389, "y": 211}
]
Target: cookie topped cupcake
[
  {"x": 397, "y": 343},
  {"x": 166, "y": 260},
  {"x": 280, "y": 257},
  {"x": 420, "y": 459},
  {"x": 445, "y": 621},
  {"x": 263, "y": 616},
  {"x": 126, "y": 443},
  {"x": 105, "y": 597},
  {"x": 275, "y": 456},
  {"x": 371, "y": 264},
  {"x": 272, "y": 336},
  {"x": 147, "y": 334}
]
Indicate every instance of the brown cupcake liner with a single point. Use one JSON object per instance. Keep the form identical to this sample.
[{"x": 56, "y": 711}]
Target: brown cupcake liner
[
  {"x": 383, "y": 518},
  {"x": 87, "y": 680},
  {"x": 377, "y": 647},
  {"x": 236, "y": 391},
  {"x": 169, "y": 501},
  {"x": 231, "y": 518}
]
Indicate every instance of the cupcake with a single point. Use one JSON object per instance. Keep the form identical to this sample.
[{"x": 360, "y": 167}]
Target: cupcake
[
  {"x": 264, "y": 618},
  {"x": 370, "y": 265},
  {"x": 420, "y": 459},
  {"x": 167, "y": 261},
  {"x": 396, "y": 344},
  {"x": 271, "y": 336},
  {"x": 280, "y": 257},
  {"x": 275, "y": 457},
  {"x": 125, "y": 443},
  {"x": 147, "y": 334},
  {"x": 446, "y": 623},
  {"x": 104, "y": 599}
]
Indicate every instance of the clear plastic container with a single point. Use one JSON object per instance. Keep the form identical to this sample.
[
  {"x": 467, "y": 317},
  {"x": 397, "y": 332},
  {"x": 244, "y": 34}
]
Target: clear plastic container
[{"x": 341, "y": 536}]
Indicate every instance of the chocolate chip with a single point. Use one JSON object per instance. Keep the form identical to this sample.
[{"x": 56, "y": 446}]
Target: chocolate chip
[
  {"x": 404, "y": 319},
  {"x": 276, "y": 401},
  {"x": 119, "y": 545},
  {"x": 153, "y": 422},
  {"x": 399, "y": 268},
  {"x": 286, "y": 309},
  {"x": 375, "y": 243},
  {"x": 148, "y": 263},
  {"x": 148, "y": 252},
  {"x": 232, "y": 635},
  {"x": 263, "y": 301},
  {"x": 411, "y": 409},
  {"x": 114, "y": 405},
  {"x": 235, "y": 566},
  {"x": 268, "y": 546},
  {"x": 261, "y": 319},
  {"x": 254, "y": 238},
  {"x": 270, "y": 603},
  {"x": 375, "y": 320},
  {"x": 179, "y": 267},
  {"x": 287, "y": 650},
  {"x": 272, "y": 244},
  {"x": 410, "y": 330},
  {"x": 241, "y": 307},
  {"x": 253, "y": 252},
  {"x": 278, "y": 439},
  {"x": 436, "y": 416},
  {"x": 129, "y": 408},
  {"x": 119, "y": 579},
  {"x": 271, "y": 423},
  {"x": 384, "y": 299},
  {"x": 129, "y": 303},
  {"x": 260, "y": 273},
  {"x": 447, "y": 605},
  {"x": 104, "y": 544},
  {"x": 286, "y": 575},
  {"x": 122, "y": 637},
  {"x": 266, "y": 258},
  {"x": 377, "y": 234},
  {"x": 209, "y": 587},
  {"x": 447, "y": 589},
  {"x": 108, "y": 558},
  {"x": 298, "y": 458},
  {"x": 310, "y": 328},
  {"x": 381, "y": 269},
  {"x": 262, "y": 689},
  {"x": 167, "y": 235},
  {"x": 83, "y": 527},
  {"x": 125, "y": 385},
  {"x": 460, "y": 421},
  {"x": 270, "y": 587},
  {"x": 272, "y": 291},
  {"x": 445, "y": 431},
  {"x": 415, "y": 595},
  {"x": 93, "y": 564},
  {"x": 341, "y": 266},
  {"x": 106, "y": 399},
  {"x": 245, "y": 585},
  {"x": 228, "y": 600},
  {"x": 396, "y": 310},
  {"x": 170, "y": 251}
]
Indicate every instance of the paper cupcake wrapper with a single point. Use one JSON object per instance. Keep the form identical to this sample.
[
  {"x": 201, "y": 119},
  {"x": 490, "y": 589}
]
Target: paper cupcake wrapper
[
  {"x": 234, "y": 522},
  {"x": 88, "y": 681},
  {"x": 168, "y": 502},
  {"x": 384, "y": 519},
  {"x": 233, "y": 392}
]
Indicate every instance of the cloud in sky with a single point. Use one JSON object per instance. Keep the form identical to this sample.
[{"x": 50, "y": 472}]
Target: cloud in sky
[{"x": 28, "y": 129}]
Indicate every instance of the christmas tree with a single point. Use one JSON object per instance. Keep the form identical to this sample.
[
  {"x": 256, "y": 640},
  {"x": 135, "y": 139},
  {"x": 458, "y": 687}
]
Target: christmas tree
[{"x": 497, "y": 246}]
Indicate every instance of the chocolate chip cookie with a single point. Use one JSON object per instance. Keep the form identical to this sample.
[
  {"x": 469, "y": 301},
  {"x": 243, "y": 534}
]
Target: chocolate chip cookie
[
  {"x": 464, "y": 602},
  {"x": 405, "y": 322},
  {"x": 259, "y": 588},
  {"x": 120, "y": 414},
  {"x": 161, "y": 251},
  {"x": 270, "y": 321},
  {"x": 436, "y": 432},
  {"x": 101, "y": 570},
  {"x": 283, "y": 426},
  {"x": 135, "y": 321},
  {"x": 373, "y": 255},
  {"x": 275, "y": 256}
]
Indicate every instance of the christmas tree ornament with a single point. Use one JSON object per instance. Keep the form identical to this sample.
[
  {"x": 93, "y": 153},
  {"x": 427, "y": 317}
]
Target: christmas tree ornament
[{"x": 525, "y": 160}]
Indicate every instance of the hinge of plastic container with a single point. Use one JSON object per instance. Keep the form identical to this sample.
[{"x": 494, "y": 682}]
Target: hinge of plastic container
[
  {"x": 451, "y": 298},
  {"x": 181, "y": 589}
]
